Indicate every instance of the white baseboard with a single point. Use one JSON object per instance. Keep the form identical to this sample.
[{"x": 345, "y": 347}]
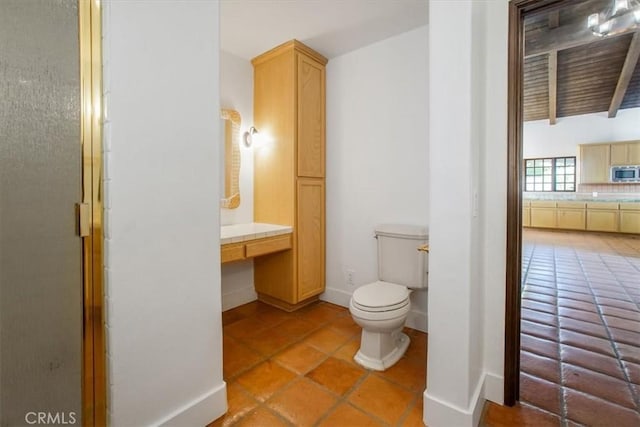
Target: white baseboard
[
  {"x": 238, "y": 297},
  {"x": 415, "y": 320},
  {"x": 494, "y": 388},
  {"x": 439, "y": 413},
  {"x": 201, "y": 411}
]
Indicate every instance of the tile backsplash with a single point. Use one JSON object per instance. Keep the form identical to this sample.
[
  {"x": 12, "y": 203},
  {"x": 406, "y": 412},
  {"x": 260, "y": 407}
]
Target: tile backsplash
[{"x": 609, "y": 188}]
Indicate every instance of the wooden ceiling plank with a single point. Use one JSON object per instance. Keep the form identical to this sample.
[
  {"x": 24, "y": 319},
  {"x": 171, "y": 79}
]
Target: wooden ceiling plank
[
  {"x": 564, "y": 37},
  {"x": 628, "y": 68},
  {"x": 553, "y": 86},
  {"x": 554, "y": 19}
]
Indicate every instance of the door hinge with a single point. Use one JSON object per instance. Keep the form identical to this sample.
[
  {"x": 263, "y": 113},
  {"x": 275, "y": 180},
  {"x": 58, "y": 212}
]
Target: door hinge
[{"x": 83, "y": 213}]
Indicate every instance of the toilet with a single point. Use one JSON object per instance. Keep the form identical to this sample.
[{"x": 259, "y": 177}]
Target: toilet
[{"x": 381, "y": 308}]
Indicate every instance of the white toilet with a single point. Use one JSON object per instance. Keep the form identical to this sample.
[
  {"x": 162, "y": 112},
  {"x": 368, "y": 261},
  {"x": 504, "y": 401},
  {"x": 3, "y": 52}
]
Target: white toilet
[{"x": 382, "y": 307}]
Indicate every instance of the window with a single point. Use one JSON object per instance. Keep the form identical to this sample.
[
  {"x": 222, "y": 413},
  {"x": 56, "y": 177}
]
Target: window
[{"x": 550, "y": 174}]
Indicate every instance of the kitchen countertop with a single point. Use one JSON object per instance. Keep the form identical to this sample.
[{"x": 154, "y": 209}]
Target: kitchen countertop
[
  {"x": 236, "y": 233},
  {"x": 585, "y": 197}
]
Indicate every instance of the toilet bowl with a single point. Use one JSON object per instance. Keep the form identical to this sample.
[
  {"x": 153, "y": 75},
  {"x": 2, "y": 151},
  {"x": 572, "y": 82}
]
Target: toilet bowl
[{"x": 382, "y": 307}]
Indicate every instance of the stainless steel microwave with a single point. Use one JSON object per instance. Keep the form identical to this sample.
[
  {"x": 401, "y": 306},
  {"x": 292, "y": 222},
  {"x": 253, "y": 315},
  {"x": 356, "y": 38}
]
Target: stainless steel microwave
[{"x": 625, "y": 173}]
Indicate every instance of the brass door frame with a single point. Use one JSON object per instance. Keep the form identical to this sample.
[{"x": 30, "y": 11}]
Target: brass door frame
[{"x": 93, "y": 345}]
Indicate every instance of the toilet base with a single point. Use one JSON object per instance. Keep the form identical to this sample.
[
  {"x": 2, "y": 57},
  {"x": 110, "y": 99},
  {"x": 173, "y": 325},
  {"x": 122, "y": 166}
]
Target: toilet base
[{"x": 393, "y": 347}]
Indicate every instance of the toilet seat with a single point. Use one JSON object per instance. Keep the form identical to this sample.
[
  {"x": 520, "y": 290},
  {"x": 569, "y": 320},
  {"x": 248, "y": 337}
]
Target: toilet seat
[{"x": 380, "y": 296}]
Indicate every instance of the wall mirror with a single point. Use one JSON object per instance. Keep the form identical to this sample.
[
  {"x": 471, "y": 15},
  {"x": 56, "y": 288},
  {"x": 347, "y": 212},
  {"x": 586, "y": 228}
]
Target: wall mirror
[{"x": 231, "y": 158}]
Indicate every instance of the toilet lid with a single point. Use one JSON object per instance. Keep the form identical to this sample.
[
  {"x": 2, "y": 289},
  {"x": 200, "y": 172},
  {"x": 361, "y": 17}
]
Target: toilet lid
[{"x": 380, "y": 296}]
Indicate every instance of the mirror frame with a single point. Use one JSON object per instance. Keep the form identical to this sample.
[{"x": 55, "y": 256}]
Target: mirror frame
[{"x": 231, "y": 159}]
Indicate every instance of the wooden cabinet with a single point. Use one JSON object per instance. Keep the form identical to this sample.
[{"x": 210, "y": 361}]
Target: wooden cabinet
[
  {"x": 625, "y": 153},
  {"x": 630, "y": 218},
  {"x": 289, "y": 171},
  {"x": 253, "y": 248},
  {"x": 571, "y": 215},
  {"x": 602, "y": 216},
  {"x": 594, "y": 163},
  {"x": 543, "y": 214},
  {"x": 526, "y": 213}
]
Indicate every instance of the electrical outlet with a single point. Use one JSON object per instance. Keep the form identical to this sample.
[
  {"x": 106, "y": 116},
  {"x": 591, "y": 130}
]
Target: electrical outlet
[{"x": 349, "y": 276}]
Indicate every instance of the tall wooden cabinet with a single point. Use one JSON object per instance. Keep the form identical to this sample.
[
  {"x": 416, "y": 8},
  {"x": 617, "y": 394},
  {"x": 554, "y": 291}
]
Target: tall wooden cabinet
[{"x": 289, "y": 171}]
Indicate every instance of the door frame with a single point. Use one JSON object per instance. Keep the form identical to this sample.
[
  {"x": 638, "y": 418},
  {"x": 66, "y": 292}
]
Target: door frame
[
  {"x": 517, "y": 10},
  {"x": 90, "y": 220}
]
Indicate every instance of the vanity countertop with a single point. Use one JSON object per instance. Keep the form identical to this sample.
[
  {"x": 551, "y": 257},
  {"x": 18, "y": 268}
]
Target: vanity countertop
[{"x": 236, "y": 233}]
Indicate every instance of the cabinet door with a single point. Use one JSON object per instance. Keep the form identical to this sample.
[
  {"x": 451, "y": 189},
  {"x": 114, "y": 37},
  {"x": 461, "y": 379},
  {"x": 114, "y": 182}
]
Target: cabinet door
[
  {"x": 543, "y": 217},
  {"x": 571, "y": 219},
  {"x": 602, "y": 220},
  {"x": 619, "y": 154},
  {"x": 594, "y": 163},
  {"x": 633, "y": 153},
  {"x": 526, "y": 217},
  {"x": 630, "y": 222},
  {"x": 311, "y": 117},
  {"x": 310, "y": 235}
]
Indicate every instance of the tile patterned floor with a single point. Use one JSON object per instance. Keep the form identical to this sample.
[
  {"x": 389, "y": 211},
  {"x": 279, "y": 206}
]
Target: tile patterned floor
[
  {"x": 580, "y": 342},
  {"x": 297, "y": 369}
]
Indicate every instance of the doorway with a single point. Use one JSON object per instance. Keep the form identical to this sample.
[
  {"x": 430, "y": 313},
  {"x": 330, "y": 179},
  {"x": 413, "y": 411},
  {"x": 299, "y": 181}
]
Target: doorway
[{"x": 52, "y": 347}]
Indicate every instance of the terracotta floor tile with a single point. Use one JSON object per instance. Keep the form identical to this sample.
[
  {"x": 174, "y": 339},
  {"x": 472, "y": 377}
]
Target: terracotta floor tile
[
  {"x": 417, "y": 350},
  {"x": 538, "y": 330},
  {"x": 262, "y": 417},
  {"x": 580, "y": 289},
  {"x": 577, "y": 296},
  {"x": 408, "y": 373},
  {"x": 539, "y": 297},
  {"x": 237, "y": 357},
  {"x": 587, "y": 342},
  {"x": 592, "y": 411},
  {"x": 415, "y": 416},
  {"x": 539, "y": 346},
  {"x": 541, "y": 367},
  {"x": 577, "y": 305},
  {"x": 321, "y": 313},
  {"x": 613, "y": 295},
  {"x": 583, "y": 327},
  {"x": 596, "y": 384},
  {"x": 551, "y": 291},
  {"x": 539, "y": 317},
  {"x": 628, "y": 352},
  {"x": 625, "y": 336},
  {"x": 539, "y": 306},
  {"x": 633, "y": 371},
  {"x": 348, "y": 350},
  {"x": 296, "y": 327},
  {"x": 594, "y": 361},
  {"x": 265, "y": 379},
  {"x": 337, "y": 375},
  {"x": 521, "y": 415},
  {"x": 231, "y": 316},
  {"x": 247, "y": 327},
  {"x": 347, "y": 415},
  {"x": 391, "y": 408},
  {"x": 617, "y": 322},
  {"x": 326, "y": 340},
  {"x": 346, "y": 326},
  {"x": 303, "y": 403},
  {"x": 540, "y": 393},
  {"x": 269, "y": 343},
  {"x": 239, "y": 403},
  {"x": 300, "y": 358},
  {"x": 585, "y": 316}
]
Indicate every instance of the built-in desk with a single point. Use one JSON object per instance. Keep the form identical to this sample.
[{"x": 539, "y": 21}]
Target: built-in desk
[{"x": 244, "y": 241}]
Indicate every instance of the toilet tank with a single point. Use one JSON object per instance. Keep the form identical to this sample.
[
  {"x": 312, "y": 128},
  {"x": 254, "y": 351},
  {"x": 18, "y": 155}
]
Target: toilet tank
[{"x": 399, "y": 260}]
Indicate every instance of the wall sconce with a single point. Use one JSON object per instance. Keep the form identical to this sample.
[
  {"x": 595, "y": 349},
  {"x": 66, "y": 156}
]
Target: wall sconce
[{"x": 249, "y": 135}]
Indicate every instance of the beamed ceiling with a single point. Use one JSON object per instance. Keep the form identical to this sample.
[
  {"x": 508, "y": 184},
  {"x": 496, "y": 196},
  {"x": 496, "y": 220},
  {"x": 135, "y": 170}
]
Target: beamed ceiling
[{"x": 569, "y": 71}]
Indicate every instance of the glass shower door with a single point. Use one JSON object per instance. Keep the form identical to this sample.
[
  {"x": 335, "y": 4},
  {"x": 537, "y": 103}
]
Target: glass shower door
[{"x": 41, "y": 289}]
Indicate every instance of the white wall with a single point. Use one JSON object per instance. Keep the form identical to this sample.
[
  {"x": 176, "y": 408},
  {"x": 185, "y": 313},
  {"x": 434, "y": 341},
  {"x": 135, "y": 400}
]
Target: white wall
[
  {"x": 236, "y": 92},
  {"x": 468, "y": 64},
  {"x": 562, "y": 139},
  {"x": 377, "y": 156},
  {"x": 161, "y": 234}
]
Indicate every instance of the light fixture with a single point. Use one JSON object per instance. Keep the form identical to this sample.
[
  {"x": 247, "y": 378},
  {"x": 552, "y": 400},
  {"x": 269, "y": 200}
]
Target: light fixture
[
  {"x": 249, "y": 135},
  {"x": 622, "y": 16}
]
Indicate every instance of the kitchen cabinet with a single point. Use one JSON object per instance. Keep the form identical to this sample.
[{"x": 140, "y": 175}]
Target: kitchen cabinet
[
  {"x": 595, "y": 163},
  {"x": 289, "y": 171},
  {"x": 625, "y": 153},
  {"x": 526, "y": 213},
  {"x": 543, "y": 214},
  {"x": 571, "y": 215},
  {"x": 603, "y": 216},
  {"x": 630, "y": 218}
]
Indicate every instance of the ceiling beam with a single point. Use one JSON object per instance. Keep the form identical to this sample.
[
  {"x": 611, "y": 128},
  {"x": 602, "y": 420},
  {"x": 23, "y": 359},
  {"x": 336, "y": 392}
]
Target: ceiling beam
[
  {"x": 625, "y": 75},
  {"x": 553, "y": 86},
  {"x": 564, "y": 37}
]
